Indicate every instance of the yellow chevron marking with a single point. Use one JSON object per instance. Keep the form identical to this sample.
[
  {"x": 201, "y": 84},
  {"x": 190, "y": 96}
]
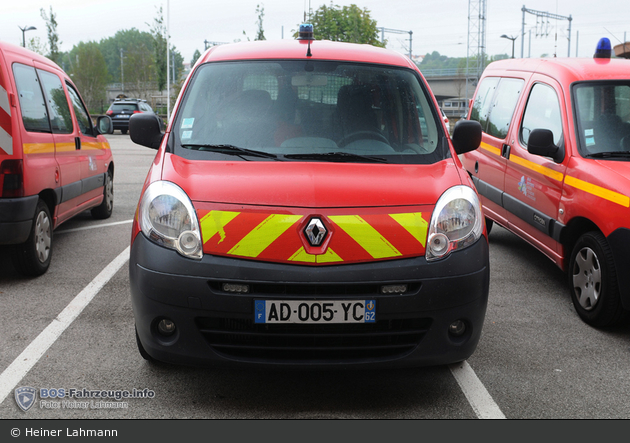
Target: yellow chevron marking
[
  {"x": 328, "y": 257},
  {"x": 366, "y": 236},
  {"x": 303, "y": 256},
  {"x": 263, "y": 235},
  {"x": 598, "y": 191},
  {"x": 215, "y": 221},
  {"x": 414, "y": 224}
]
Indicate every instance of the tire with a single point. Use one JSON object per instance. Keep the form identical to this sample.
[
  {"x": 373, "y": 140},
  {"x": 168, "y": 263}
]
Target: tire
[
  {"x": 142, "y": 351},
  {"x": 593, "y": 281},
  {"x": 123, "y": 131},
  {"x": 104, "y": 210},
  {"x": 489, "y": 224},
  {"x": 32, "y": 258}
]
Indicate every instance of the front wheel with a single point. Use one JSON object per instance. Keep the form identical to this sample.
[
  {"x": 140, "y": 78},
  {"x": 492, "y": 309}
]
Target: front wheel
[
  {"x": 32, "y": 258},
  {"x": 593, "y": 281}
]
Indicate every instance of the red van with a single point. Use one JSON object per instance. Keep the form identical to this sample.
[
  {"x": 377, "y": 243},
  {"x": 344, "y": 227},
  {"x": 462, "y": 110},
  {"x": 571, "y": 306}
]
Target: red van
[
  {"x": 306, "y": 207},
  {"x": 554, "y": 169},
  {"x": 54, "y": 162}
]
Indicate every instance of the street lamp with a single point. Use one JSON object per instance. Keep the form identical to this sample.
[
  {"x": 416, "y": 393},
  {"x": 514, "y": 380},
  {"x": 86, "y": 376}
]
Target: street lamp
[
  {"x": 24, "y": 29},
  {"x": 510, "y": 38}
]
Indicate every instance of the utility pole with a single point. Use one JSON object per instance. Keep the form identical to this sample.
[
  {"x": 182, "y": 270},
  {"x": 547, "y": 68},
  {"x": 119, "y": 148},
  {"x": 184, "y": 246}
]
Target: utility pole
[
  {"x": 398, "y": 31},
  {"x": 543, "y": 15},
  {"x": 122, "y": 76},
  {"x": 475, "y": 59}
]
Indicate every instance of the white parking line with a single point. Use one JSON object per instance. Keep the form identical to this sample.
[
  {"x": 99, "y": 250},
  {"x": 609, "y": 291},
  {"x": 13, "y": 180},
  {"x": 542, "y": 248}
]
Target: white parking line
[
  {"x": 102, "y": 225},
  {"x": 476, "y": 393},
  {"x": 34, "y": 351}
]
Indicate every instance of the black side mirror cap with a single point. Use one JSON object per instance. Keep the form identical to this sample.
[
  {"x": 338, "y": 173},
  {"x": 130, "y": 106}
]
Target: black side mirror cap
[
  {"x": 466, "y": 136},
  {"x": 146, "y": 130},
  {"x": 540, "y": 142},
  {"x": 104, "y": 125}
]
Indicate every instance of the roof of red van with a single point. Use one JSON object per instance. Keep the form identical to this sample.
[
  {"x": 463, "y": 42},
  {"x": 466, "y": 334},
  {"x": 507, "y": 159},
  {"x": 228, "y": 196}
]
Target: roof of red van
[
  {"x": 571, "y": 69},
  {"x": 297, "y": 49},
  {"x": 8, "y": 48}
]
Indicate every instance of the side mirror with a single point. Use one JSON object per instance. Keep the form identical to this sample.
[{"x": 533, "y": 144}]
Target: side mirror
[
  {"x": 466, "y": 136},
  {"x": 104, "y": 125},
  {"x": 145, "y": 130},
  {"x": 540, "y": 142}
]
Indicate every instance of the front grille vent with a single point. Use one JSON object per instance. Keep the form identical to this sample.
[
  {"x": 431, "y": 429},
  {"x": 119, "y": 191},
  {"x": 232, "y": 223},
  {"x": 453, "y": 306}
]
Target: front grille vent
[{"x": 311, "y": 343}]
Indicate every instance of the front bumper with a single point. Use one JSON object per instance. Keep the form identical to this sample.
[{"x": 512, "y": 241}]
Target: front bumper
[
  {"x": 216, "y": 328},
  {"x": 16, "y": 219}
]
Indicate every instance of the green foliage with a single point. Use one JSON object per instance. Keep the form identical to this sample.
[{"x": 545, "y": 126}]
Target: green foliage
[
  {"x": 260, "y": 11},
  {"x": 53, "y": 35},
  {"x": 89, "y": 73},
  {"x": 158, "y": 31},
  {"x": 345, "y": 24},
  {"x": 133, "y": 42},
  {"x": 195, "y": 57}
]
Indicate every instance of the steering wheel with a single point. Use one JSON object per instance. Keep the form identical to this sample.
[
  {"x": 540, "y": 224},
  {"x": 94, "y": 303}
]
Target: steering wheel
[{"x": 362, "y": 135}]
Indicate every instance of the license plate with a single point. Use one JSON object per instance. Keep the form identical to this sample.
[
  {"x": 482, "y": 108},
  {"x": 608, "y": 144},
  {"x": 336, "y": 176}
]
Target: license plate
[
  {"x": 327, "y": 311},
  {"x": 123, "y": 116}
]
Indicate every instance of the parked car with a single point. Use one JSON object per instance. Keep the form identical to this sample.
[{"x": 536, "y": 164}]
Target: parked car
[
  {"x": 123, "y": 108},
  {"x": 445, "y": 120},
  {"x": 306, "y": 207},
  {"x": 54, "y": 162},
  {"x": 554, "y": 169}
]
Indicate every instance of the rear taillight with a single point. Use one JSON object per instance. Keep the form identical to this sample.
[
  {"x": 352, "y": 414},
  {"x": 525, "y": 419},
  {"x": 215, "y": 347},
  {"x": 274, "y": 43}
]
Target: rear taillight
[
  {"x": 109, "y": 112},
  {"x": 11, "y": 178},
  {"x": 137, "y": 112}
]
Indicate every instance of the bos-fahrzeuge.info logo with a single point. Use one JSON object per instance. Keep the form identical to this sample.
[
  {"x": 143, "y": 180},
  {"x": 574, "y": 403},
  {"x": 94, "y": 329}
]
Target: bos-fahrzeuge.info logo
[{"x": 73, "y": 398}]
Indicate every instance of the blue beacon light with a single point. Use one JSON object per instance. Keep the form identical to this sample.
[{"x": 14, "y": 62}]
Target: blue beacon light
[{"x": 603, "y": 49}]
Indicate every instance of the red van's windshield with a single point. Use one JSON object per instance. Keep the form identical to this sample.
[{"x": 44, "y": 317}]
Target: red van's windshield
[{"x": 308, "y": 110}]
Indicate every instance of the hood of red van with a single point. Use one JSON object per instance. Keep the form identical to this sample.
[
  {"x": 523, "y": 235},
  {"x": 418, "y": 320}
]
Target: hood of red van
[
  {"x": 310, "y": 184},
  {"x": 312, "y": 213}
]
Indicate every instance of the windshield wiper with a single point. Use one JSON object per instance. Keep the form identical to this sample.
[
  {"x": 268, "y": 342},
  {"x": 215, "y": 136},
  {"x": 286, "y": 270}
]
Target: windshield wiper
[
  {"x": 337, "y": 157},
  {"x": 610, "y": 154},
  {"x": 228, "y": 149}
]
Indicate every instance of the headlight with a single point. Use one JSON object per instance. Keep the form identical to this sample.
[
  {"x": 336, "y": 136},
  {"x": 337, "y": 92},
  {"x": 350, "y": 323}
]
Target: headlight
[
  {"x": 168, "y": 218},
  {"x": 456, "y": 222}
]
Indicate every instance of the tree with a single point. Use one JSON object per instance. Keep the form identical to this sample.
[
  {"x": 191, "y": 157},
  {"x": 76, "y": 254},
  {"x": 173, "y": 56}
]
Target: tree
[
  {"x": 260, "y": 11},
  {"x": 195, "y": 57},
  {"x": 348, "y": 24},
  {"x": 53, "y": 35},
  {"x": 158, "y": 31},
  {"x": 89, "y": 73},
  {"x": 35, "y": 45},
  {"x": 127, "y": 40}
]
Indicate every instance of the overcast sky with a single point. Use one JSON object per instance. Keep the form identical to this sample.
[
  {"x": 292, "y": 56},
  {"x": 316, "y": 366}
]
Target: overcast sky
[{"x": 437, "y": 25}]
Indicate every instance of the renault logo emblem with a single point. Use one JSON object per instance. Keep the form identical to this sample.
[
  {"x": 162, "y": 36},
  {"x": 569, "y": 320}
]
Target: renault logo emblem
[{"x": 315, "y": 232}]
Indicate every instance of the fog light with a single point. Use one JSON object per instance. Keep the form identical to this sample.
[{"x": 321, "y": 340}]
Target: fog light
[
  {"x": 438, "y": 243},
  {"x": 457, "y": 328},
  {"x": 236, "y": 288},
  {"x": 166, "y": 327},
  {"x": 393, "y": 289}
]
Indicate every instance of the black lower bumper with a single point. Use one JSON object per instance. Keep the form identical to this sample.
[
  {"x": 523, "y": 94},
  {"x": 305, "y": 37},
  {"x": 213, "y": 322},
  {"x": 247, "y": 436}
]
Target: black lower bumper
[
  {"x": 16, "y": 219},
  {"x": 215, "y": 328}
]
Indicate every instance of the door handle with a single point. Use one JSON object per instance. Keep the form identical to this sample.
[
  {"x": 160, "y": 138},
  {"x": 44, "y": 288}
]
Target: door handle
[
  {"x": 77, "y": 143},
  {"x": 505, "y": 151}
]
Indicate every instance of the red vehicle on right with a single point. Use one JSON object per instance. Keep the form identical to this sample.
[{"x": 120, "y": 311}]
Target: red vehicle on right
[{"x": 554, "y": 168}]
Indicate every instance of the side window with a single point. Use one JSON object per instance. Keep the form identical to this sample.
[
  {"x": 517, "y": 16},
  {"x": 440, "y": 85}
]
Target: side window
[
  {"x": 32, "y": 105},
  {"x": 503, "y": 106},
  {"x": 483, "y": 99},
  {"x": 542, "y": 112},
  {"x": 83, "y": 118},
  {"x": 60, "y": 117}
]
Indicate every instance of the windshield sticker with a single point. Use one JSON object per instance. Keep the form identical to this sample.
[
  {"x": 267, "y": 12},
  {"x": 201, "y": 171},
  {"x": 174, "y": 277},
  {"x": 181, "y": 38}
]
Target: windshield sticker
[
  {"x": 186, "y": 135},
  {"x": 590, "y": 141},
  {"x": 588, "y": 132},
  {"x": 188, "y": 123}
]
